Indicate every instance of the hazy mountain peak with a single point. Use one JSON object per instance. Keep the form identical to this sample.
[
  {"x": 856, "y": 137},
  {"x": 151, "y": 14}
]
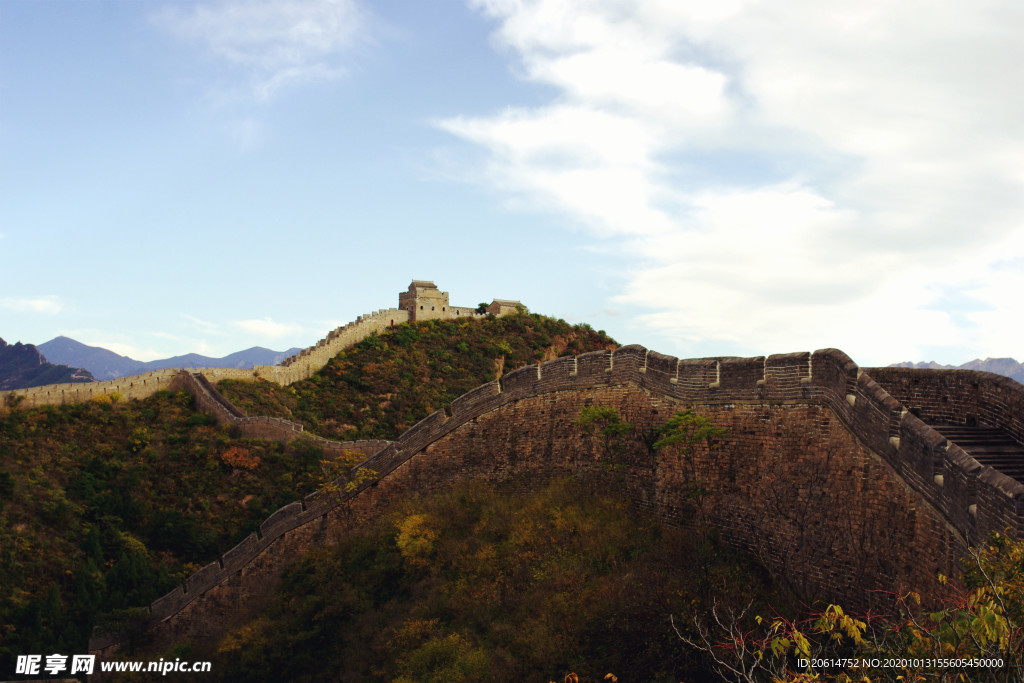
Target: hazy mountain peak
[
  {"x": 105, "y": 364},
  {"x": 1008, "y": 367}
]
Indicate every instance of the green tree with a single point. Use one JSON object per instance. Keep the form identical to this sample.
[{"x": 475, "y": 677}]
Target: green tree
[
  {"x": 605, "y": 423},
  {"x": 689, "y": 434}
]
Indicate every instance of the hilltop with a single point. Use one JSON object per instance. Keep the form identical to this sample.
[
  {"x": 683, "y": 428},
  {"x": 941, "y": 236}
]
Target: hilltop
[{"x": 390, "y": 381}]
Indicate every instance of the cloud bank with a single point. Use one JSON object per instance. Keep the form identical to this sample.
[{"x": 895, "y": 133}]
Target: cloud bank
[{"x": 781, "y": 175}]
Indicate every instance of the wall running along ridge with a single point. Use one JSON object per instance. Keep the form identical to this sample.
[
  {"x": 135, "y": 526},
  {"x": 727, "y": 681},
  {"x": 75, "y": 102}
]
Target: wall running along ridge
[
  {"x": 815, "y": 418},
  {"x": 208, "y": 399},
  {"x": 293, "y": 369}
]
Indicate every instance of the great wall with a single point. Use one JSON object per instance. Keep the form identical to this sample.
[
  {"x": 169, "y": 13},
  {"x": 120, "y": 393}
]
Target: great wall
[
  {"x": 832, "y": 475},
  {"x": 422, "y": 301}
]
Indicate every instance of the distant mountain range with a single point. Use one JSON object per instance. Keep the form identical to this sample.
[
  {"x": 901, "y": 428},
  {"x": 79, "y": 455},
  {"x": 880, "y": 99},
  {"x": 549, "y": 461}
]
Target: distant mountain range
[
  {"x": 22, "y": 366},
  {"x": 105, "y": 364},
  {"x": 1007, "y": 367}
]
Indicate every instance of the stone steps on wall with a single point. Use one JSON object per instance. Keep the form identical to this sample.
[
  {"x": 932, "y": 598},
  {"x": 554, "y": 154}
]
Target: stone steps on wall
[{"x": 989, "y": 446}]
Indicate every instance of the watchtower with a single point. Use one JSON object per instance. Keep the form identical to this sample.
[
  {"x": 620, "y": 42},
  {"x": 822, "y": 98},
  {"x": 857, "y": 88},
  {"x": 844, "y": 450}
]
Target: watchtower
[{"x": 424, "y": 301}]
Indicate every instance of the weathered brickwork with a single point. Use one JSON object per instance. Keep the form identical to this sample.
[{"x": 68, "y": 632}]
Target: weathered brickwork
[
  {"x": 825, "y": 476},
  {"x": 424, "y": 301},
  {"x": 789, "y": 483}
]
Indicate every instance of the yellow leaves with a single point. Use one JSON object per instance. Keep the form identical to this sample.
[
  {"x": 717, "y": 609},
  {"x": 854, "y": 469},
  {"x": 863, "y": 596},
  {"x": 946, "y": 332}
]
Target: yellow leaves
[
  {"x": 362, "y": 476},
  {"x": 990, "y": 626},
  {"x": 836, "y": 623},
  {"x": 415, "y": 540}
]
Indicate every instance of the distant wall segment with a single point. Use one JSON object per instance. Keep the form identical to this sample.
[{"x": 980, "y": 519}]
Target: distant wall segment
[
  {"x": 209, "y": 399},
  {"x": 295, "y": 368},
  {"x": 135, "y": 386},
  {"x": 877, "y": 474},
  {"x": 422, "y": 301}
]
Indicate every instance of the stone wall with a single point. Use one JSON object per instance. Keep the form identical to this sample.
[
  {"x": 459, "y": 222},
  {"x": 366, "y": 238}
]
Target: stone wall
[
  {"x": 136, "y": 386},
  {"x": 209, "y": 399},
  {"x": 822, "y": 462},
  {"x": 957, "y": 396},
  {"x": 295, "y": 368},
  {"x": 421, "y": 294},
  {"x": 305, "y": 363}
]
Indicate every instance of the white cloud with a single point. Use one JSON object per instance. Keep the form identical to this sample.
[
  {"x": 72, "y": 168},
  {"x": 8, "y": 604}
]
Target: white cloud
[
  {"x": 784, "y": 175},
  {"x": 130, "y": 350},
  {"x": 276, "y": 43},
  {"x": 267, "y": 328},
  {"x": 205, "y": 325},
  {"x": 49, "y": 304}
]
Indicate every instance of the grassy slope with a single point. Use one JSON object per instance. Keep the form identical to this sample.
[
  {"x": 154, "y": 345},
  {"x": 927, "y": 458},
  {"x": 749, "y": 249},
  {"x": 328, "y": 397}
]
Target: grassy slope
[{"x": 387, "y": 383}]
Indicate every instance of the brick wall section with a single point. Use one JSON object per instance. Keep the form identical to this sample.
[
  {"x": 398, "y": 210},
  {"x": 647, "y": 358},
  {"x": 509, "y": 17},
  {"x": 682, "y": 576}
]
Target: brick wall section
[
  {"x": 790, "y": 483},
  {"x": 962, "y": 397},
  {"x": 801, "y": 414},
  {"x": 303, "y": 364},
  {"x": 957, "y": 396},
  {"x": 136, "y": 386}
]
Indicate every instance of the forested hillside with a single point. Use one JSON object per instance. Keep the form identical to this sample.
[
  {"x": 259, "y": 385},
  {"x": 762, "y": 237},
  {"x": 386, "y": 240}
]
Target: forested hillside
[{"x": 106, "y": 505}]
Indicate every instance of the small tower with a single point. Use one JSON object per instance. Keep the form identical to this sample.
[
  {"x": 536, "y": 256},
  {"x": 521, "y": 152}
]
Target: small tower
[
  {"x": 504, "y": 306},
  {"x": 424, "y": 301}
]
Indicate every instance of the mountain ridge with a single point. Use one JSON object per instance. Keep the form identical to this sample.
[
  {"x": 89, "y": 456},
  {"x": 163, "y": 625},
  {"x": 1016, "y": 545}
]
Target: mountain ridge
[
  {"x": 22, "y": 366},
  {"x": 105, "y": 364},
  {"x": 1007, "y": 367}
]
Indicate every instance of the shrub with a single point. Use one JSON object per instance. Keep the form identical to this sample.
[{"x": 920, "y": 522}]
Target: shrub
[{"x": 240, "y": 458}]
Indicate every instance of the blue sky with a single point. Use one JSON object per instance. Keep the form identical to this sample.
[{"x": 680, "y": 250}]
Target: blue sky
[{"x": 728, "y": 178}]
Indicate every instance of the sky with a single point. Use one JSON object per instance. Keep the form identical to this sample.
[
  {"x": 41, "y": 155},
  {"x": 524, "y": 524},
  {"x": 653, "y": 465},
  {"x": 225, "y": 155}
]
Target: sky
[{"x": 703, "y": 178}]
